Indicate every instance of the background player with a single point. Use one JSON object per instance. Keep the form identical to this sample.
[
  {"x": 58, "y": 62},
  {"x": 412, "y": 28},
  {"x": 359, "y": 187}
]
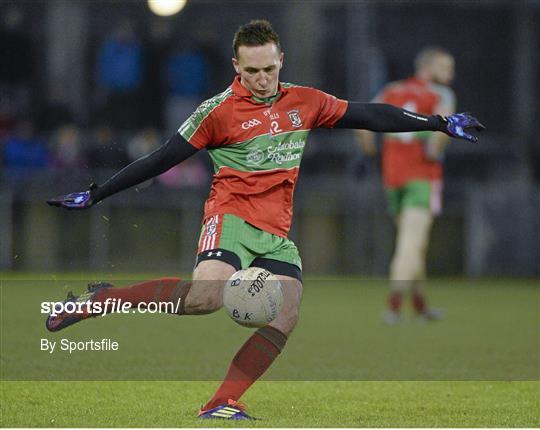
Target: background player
[
  {"x": 255, "y": 132},
  {"x": 412, "y": 175}
]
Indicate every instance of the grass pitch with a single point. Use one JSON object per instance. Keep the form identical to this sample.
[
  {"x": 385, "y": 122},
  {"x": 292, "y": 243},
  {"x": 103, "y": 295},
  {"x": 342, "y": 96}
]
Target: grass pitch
[
  {"x": 279, "y": 404},
  {"x": 342, "y": 368}
]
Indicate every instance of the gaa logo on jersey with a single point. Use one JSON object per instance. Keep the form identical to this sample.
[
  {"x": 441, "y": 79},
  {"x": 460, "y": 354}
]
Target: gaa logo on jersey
[
  {"x": 294, "y": 116},
  {"x": 255, "y": 157}
]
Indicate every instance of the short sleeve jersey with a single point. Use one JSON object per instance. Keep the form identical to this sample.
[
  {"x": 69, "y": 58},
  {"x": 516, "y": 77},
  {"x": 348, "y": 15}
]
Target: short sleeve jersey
[
  {"x": 256, "y": 147},
  {"x": 404, "y": 154}
]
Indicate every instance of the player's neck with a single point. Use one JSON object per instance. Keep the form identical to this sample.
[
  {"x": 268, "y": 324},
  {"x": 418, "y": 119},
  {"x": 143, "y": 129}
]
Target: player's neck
[
  {"x": 422, "y": 77},
  {"x": 257, "y": 98}
]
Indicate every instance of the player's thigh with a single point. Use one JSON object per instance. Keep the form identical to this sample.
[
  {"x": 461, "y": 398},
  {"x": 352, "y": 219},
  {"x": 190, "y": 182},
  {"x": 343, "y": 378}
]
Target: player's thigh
[
  {"x": 283, "y": 260},
  {"x": 206, "y": 292},
  {"x": 415, "y": 216},
  {"x": 412, "y": 239},
  {"x": 414, "y": 230}
]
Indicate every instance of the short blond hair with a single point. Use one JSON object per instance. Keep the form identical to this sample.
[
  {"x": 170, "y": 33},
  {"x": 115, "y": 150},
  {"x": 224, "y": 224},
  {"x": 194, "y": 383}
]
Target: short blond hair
[{"x": 427, "y": 54}]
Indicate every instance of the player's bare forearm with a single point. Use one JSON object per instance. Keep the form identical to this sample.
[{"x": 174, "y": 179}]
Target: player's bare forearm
[
  {"x": 383, "y": 117},
  {"x": 366, "y": 141},
  {"x": 436, "y": 145},
  {"x": 174, "y": 151}
]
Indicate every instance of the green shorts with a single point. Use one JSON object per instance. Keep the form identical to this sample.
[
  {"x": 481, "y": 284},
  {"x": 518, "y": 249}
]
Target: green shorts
[
  {"x": 241, "y": 244},
  {"x": 420, "y": 193}
]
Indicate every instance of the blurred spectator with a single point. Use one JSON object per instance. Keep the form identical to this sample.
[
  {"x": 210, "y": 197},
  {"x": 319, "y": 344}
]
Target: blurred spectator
[
  {"x": 8, "y": 122},
  {"x": 187, "y": 74},
  {"x": 24, "y": 149},
  {"x": 24, "y": 153},
  {"x": 67, "y": 152},
  {"x": 120, "y": 75},
  {"x": 54, "y": 113},
  {"x": 191, "y": 172},
  {"x": 143, "y": 143},
  {"x": 104, "y": 151}
]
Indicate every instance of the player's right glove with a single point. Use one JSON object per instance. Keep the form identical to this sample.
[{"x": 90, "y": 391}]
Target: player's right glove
[
  {"x": 458, "y": 123},
  {"x": 80, "y": 200}
]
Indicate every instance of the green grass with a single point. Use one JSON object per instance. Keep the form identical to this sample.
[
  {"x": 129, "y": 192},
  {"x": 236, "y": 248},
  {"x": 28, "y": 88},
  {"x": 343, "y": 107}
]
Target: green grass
[
  {"x": 454, "y": 373},
  {"x": 280, "y": 404}
]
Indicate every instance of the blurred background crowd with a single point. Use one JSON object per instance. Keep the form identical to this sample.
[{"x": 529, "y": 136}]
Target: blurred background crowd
[{"x": 88, "y": 86}]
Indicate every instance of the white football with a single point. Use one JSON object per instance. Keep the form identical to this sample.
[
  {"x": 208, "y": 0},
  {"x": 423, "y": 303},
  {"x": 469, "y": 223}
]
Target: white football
[{"x": 253, "y": 297}]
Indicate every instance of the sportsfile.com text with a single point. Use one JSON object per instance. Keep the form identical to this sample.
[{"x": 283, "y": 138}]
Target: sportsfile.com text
[{"x": 110, "y": 305}]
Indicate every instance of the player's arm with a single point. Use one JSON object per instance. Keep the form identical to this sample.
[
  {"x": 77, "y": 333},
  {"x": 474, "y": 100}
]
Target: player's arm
[
  {"x": 174, "y": 151},
  {"x": 383, "y": 117},
  {"x": 366, "y": 140},
  {"x": 437, "y": 142}
]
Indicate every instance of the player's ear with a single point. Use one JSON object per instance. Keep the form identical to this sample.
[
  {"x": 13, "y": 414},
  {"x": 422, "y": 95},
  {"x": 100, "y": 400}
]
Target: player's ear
[
  {"x": 236, "y": 65},
  {"x": 281, "y": 56}
]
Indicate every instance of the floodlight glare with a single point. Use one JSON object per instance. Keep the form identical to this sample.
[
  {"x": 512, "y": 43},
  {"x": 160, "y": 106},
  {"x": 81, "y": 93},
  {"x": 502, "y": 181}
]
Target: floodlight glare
[{"x": 166, "y": 7}]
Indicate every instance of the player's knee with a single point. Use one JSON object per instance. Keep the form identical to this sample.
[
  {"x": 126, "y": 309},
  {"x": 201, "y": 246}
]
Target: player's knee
[
  {"x": 290, "y": 313},
  {"x": 204, "y": 305},
  {"x": 406, "y": 267}
]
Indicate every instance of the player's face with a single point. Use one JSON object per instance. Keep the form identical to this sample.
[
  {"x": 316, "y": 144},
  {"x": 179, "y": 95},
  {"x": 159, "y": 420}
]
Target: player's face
[
  {"x": 258, "y": 67},
  {"x": 442, "y": 69}
]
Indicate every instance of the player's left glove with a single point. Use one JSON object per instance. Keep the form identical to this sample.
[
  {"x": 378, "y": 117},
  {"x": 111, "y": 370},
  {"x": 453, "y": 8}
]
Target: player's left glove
[
  {"x": 80, "y": 200},
  {"x": 458, "y": 124}
]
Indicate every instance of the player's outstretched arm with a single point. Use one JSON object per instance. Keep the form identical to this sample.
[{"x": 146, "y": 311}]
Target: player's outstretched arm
[
  {"x": 174, "y": 151},
  {"x": 383, "y": 117}
]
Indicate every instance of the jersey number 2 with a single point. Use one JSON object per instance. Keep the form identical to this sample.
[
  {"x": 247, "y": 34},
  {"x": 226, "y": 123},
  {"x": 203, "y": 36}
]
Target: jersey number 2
[{"x": 274, "y": 127}]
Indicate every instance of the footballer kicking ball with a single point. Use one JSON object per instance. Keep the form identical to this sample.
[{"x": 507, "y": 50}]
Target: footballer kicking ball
[{"x": 253, "y": 297}]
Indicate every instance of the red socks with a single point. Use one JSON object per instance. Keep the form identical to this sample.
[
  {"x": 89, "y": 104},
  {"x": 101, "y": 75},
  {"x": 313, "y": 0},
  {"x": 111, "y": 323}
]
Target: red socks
[
  {"x": 164, "y": 290},
  {"x": 248, "y": 365},
  {"x": 418, "y": 301},
  {"x": 395, "y": 299}
]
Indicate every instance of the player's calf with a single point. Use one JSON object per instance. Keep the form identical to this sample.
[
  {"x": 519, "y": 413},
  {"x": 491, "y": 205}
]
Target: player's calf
[
  {"x": 167, "y": 294},
  {"x": 205, "y": 297}
]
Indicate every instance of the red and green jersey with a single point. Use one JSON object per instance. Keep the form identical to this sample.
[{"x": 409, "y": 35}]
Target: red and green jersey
[
  {"x": 256, "y": 147},
  {"x": 404, "y": 155}
]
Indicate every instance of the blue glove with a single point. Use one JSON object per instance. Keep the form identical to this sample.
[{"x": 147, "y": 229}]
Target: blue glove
[
  {"x": 81, "y": 200},
  {"x": 458, "y": 123}
]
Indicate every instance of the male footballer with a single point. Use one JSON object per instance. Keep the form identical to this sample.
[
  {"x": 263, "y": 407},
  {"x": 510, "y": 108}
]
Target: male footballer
[
  {"x": 255, "y": 132},
  {"x": 412, "y": 176}
]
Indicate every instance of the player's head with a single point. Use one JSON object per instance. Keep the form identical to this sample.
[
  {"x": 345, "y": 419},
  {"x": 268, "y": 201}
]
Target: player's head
[
  {"x": 258, "y": 57},
  {"x": 435, "y": 64}
]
